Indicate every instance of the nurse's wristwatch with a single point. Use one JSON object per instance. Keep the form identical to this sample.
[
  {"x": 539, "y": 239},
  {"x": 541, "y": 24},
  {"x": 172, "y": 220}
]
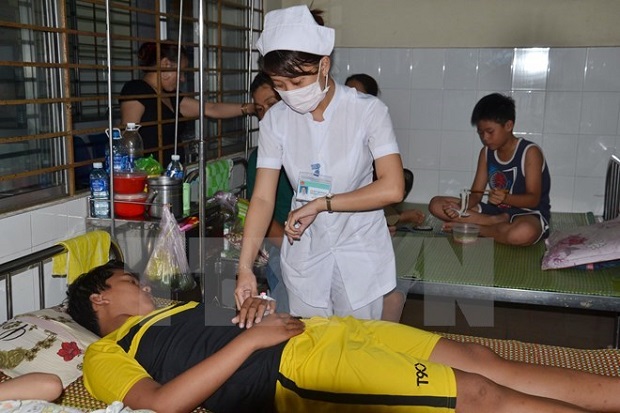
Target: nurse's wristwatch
[{"x": 328, "y": 202}]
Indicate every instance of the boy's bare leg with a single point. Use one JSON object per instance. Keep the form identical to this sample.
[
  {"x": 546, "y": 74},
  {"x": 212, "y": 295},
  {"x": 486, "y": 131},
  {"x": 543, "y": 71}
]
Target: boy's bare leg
[
  {"x": 589, "y": 391},
  {"x": 481, "y": 219},
  {"x": 522, "y": 231},
  {"x": 440, "y": 206},
  {"x": 478, "y": 394}
]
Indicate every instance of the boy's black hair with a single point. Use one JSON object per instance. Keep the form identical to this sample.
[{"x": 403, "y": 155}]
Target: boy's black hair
[
  {"x": 94, "y": 281},
  {"x": 260, "y": 79},
  {"x": 494, "y": 107},
  {"x": 369, "y": 83},
  {"x": 408, "y": 181}
]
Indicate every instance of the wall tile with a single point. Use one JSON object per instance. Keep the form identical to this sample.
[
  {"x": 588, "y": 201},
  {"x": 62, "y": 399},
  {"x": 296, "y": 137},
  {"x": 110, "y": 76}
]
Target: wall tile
[
  {"x": 396, "y": 68},
  {"x": 399, "y": 104},
  {"x": 566, "y": 69},
  {"x": 456, "y": 151},
  {"x": 425, "y": 149},
  {"x": 25, "y": 292},
  {"x": 593, "y": 154},
  {"x": 49, "y": 224},
  {"x": 562, "y": 193},
  {"x": 16, "y": 235},
  {"x": 403, "y": 137},
  {"x": 561, "y": 154},
  {"x": 77, "y": 207},
  {"x": 453, "y": 182},
  {"x": 428, "y": 68},
  {"x": 562, "y": 112},
  {"x": 530, "y": 69},
  {"x": 340, "y": 64},
  {"x": 589, "y": 193},
  {"x": 599, "y": 113},
  {"x": 457, "y": 107},
  {"x": 364, "y": 61},
  {"x": 425, "y": 185},
  {"x": 602, "y": 69},
  {"x": 530, "y": 107},
  {"x": 537, "y": 138},
  {"x": 426, "y": 109},
  {"x": 461, "y": 69},
  {"x": 495, "y": 69}
]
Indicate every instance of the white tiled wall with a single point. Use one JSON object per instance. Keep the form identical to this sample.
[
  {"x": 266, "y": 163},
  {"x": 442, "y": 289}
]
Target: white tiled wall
[
  {"x": 34, "y": 230},
  {"x": 568, "y": 102}
]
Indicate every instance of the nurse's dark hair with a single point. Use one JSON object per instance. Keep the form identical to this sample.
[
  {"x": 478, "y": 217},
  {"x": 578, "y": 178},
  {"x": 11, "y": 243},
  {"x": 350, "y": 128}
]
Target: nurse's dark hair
[
  {"x": 290, "y": 63},
  {"x": 147, "y": 54},
  {"x": 79, "y": 306},
  {"x": 494, "y": 107}
]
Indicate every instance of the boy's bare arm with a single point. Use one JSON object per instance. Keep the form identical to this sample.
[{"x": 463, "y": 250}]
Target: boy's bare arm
[
  {"x": 481, "y": 178},
  {"x": 533, "y": 165},
  {"x": 197, "y": 384}
]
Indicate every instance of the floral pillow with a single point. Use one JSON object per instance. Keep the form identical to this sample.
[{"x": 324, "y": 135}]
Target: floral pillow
[
  {"x": 583, "y": 245},
  {"x": 47, "y": 340}
]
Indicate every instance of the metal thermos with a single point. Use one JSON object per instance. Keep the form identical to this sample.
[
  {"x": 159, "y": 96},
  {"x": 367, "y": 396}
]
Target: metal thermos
[{"x": 165, "y": 190}]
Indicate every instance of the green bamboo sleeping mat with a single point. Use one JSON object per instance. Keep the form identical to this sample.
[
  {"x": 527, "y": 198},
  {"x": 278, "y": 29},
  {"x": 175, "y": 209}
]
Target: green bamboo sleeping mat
[{"x": 435, "y": 257}]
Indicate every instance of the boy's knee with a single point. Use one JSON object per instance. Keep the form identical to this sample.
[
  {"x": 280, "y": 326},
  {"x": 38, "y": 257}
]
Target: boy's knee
[
  {"x": 436, "y": 204},
  {"x": 523, "y": 235}
]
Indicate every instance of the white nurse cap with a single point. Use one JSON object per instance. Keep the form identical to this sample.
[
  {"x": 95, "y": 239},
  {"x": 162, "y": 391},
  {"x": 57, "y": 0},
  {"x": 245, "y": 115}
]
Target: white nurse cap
[{"x": 294, "y": 28}]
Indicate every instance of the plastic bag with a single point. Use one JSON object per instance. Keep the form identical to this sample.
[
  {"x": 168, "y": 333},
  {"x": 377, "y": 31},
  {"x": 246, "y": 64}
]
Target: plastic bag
[
  {"x": 168, "y": 267},
  {"x": 149, "y": 165}
]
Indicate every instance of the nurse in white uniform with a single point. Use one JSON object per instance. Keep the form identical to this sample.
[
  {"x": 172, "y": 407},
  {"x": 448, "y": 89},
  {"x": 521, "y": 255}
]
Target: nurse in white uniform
[{"x": 338, "y": 257}]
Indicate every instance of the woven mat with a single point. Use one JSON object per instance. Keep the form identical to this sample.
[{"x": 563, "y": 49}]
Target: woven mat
[
  {"x": 434, "y": 256},
  {"x": 602, "y": 362}
]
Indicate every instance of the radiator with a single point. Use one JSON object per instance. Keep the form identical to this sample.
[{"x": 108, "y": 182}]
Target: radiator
[{"x": 611, "y": 208}]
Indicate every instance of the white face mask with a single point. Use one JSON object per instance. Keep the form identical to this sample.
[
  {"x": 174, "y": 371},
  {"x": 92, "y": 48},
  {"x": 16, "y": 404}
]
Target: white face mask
[{"x": 307, "y": 98}]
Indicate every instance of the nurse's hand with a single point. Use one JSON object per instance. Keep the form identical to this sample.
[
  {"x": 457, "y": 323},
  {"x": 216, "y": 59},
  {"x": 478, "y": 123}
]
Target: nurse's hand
[
  {"x": 300, "y": 219},
  {"x": 246, "y": 286},
  {"x": 253, "y": 310}
]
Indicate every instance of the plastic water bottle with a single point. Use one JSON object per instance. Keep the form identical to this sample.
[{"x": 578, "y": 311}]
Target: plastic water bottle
[
  {"x": 100, "y": 192},
  {"x": 175, "y": 168},
  {"x": 119, "y": 152},
  {"x": 133, "y": 142}
]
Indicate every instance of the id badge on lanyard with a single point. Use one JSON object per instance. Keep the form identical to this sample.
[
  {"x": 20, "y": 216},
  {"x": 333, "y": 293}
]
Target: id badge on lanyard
[{"x": 311, "y": 186}]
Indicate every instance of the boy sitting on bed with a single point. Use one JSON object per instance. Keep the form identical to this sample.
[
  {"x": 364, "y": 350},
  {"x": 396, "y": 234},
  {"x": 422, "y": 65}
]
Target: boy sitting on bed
[
  {"x": 518, "y": 207},
  {"x": 190, "y": 354}
]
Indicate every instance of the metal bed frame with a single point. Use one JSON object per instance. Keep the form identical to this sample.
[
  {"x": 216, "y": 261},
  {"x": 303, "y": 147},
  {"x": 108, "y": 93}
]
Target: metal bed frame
[
  {"x": 36, "y": 259},
  {"x": 523, "y": 296}
]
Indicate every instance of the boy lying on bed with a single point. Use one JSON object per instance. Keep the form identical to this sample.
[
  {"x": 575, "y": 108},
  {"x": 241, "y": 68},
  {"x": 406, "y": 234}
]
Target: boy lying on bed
[{"x": 190, "y": 354}]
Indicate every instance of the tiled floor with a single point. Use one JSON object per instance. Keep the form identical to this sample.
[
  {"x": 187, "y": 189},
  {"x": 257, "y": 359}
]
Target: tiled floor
[{"x": 561, "y": 327}]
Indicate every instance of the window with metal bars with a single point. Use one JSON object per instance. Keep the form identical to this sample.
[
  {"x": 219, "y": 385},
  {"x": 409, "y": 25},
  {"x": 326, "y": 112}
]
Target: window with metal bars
[{"x": 54, "y": 106}]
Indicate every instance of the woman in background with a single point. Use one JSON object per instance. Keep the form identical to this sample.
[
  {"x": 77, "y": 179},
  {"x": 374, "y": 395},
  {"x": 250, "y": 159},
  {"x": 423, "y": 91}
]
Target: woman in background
[{"x": 140, "y": 98}]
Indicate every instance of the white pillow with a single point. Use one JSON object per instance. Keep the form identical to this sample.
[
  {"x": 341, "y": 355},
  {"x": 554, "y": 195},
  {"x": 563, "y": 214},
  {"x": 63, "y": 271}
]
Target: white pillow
[
  {"x": 47, "y": 341},
  {"x": 587, "y": 244}
]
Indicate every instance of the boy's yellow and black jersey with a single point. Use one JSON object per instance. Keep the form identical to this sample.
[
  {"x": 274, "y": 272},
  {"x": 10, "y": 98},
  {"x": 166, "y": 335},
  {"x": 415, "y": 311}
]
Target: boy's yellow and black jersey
[
  {"x": 335, "y": 365},
  {"x": 168, "y": 342}
]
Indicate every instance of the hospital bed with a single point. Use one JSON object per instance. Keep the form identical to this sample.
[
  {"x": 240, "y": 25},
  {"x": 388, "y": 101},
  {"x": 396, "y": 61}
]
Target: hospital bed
[
  {"x": 604, "y": 361},
  {"x": 484, "y": 270}
]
